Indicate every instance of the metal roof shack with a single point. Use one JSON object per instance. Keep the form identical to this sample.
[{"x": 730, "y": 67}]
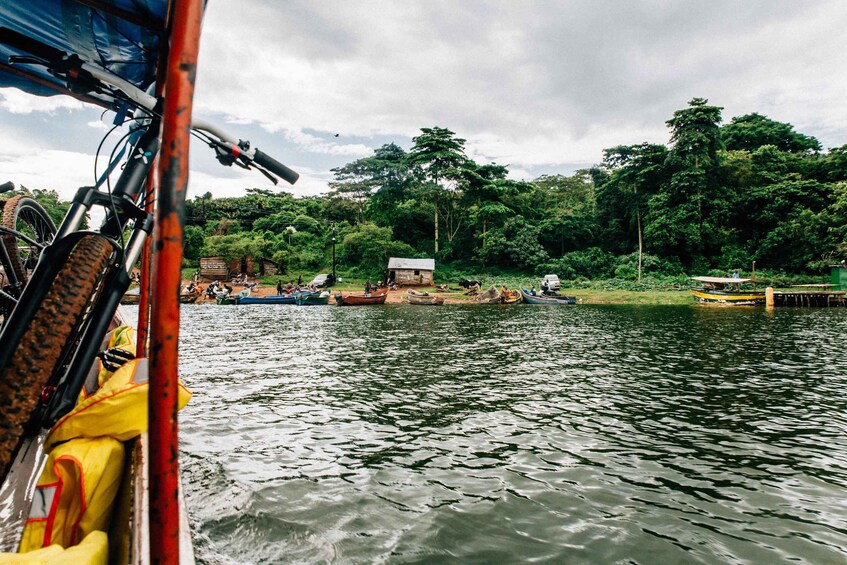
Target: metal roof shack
[{"x": 403, "y": 271}]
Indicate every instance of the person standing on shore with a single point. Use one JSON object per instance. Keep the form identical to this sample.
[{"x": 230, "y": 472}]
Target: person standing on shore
[
  {"x": 368, "y": 287},
  {"x": 278, "y": 288}
]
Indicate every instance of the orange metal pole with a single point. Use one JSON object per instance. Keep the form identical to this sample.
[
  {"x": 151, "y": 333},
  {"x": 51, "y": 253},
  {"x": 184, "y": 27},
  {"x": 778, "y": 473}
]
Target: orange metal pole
[
  {"x": 167, "y": 261},
  {"x": 143, "y": 325},
  {"x": 144, "y": 284}
]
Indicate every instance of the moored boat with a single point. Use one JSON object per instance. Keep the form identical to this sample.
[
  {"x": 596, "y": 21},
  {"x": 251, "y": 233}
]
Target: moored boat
[
  {"x": 725, "y": 291},
  {"x": 376, "y": 297},
  {"x": 532, "y": 297},
  {"x": 229, "y": 299},
  {"x": 312, "y": 298},
  {"x": 422, "y": 298},
  {"x": 133, "y": 297},
  {"x": 271, "y": 299},
  {"x": 502, "y": 296}
]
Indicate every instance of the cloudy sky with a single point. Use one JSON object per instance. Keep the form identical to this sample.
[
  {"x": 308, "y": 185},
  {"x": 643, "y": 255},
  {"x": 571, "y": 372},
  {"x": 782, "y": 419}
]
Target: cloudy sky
[{"x": 541, "y": 86}]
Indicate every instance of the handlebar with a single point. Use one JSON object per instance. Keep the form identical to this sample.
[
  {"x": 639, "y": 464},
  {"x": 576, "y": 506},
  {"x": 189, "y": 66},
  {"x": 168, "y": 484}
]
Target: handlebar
[
  {"x": 274, "y": 166},
  {"x": 56, "y": 60}
]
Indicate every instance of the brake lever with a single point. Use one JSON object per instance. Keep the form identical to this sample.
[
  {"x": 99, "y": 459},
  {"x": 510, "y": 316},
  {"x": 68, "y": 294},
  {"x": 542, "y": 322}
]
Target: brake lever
[{"x": 269, "y": 176}]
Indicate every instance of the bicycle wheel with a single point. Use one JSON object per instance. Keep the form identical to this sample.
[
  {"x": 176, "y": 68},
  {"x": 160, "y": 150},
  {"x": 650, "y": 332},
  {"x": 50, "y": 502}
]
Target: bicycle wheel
[
  {"x": 41, "y": 349},
  {"x": 25, "y": 215}
]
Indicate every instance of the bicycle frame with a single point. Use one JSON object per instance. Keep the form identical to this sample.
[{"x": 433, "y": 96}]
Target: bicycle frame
[{"x": 78, "y": 358}]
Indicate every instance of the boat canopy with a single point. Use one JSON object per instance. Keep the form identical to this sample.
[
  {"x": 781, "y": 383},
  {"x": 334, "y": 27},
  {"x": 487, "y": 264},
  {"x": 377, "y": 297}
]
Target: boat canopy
[
  {"x": 121, "y": 36},
  {"x": 720, "y": 280}
]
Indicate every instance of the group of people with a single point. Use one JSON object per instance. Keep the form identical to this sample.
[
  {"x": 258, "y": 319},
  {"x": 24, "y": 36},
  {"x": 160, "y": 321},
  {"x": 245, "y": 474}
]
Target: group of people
[
  {"x": 217, "y": 288},
  {"x": 291, "y": 288}
]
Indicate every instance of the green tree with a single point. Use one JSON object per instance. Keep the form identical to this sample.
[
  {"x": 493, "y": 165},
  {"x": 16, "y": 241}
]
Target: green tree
[
  {"x": 751, "y": 131},
  {"x": 637, "y": 172},
  {"x": 439, "y": 155},
  {"x": 193, "y": 242}
]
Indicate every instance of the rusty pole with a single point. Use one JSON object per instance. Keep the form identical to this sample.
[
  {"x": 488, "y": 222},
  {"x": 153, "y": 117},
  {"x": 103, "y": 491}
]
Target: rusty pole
[
  {"x": 167, "y": 261},
  {"x": 143, "y": 325}
]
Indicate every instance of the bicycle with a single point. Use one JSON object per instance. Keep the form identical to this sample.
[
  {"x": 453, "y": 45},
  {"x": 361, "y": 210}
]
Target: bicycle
[
  {"x": 55, "y": 330},
  {"x": 25, "y": 230}
]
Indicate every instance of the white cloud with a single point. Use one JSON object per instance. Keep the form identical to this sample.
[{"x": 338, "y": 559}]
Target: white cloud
[
  {"x": 19, "y": 102},
  {"x": 531, "y": 84}
]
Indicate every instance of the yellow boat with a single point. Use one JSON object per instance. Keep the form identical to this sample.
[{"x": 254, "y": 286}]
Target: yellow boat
[{"x": 726, "y": 291}]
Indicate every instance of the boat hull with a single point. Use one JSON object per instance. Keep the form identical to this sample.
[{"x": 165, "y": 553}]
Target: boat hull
[
  {"x": 312, "y": 299},
  {"x": 133, "y": 299},
  {"x": 537, "y": 299},
  {"x": 424, "y": 300},
  {"x": 377, "y": 297},
  {"x": 273, "y": 299},
  {"x": 718, "y": 298}
]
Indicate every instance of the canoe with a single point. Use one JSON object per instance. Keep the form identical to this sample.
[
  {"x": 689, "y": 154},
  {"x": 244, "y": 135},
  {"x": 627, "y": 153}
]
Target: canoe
[
  {"x": 376, "y": 297},
  {"x": 312, "y": 298},
  {"x": 539, "y": 299},
  {"x": 133, "y": 297},
  {"x": 423, "y": 299},
  {"x": 502, "y": 296}
]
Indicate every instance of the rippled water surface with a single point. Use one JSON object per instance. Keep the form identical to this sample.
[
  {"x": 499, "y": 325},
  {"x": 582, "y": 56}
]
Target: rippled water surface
[{"x": 582, "y": 434}]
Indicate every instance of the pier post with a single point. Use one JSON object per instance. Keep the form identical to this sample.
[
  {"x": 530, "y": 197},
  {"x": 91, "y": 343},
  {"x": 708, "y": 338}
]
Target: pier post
[{"x": 769, "y": 297}]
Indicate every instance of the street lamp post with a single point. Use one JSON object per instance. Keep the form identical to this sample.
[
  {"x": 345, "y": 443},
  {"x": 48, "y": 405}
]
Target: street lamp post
[{"x": 333, "y": 260}]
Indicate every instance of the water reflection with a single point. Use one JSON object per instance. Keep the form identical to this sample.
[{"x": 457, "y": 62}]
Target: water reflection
[{"x": 586, "y": 434}]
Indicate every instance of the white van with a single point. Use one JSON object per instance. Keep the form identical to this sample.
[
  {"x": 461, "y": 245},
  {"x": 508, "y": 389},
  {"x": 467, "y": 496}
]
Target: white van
[{"x": 551, "y": 282}]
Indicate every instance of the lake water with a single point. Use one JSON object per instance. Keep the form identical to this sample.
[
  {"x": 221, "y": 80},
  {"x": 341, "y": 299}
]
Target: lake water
[{"x": 586, "y": 434}]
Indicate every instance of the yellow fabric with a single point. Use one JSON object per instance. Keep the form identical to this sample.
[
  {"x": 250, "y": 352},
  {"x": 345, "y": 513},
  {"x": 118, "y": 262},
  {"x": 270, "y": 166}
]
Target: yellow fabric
[
  {"x": 118, "y": 409},
  {"x": 86, "y": 454},
  {"x": 122, "y": 337},
  {"x": 83, "y": 477},
  {"x": 93, "y": 550}
]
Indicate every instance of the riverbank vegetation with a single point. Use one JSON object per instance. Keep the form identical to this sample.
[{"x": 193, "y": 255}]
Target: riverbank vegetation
[{"x": 716, "y": 198}]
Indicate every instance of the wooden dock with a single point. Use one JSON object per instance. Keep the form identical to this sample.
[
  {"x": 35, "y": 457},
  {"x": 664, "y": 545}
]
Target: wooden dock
[{"x": 806, "y": 297}]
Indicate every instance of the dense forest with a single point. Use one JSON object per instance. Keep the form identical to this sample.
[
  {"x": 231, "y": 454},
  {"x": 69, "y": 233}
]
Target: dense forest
[{"x": 713, "y": 200}]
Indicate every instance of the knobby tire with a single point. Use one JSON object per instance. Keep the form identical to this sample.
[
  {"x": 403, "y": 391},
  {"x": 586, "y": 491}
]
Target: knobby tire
[
  {"x": 29, "y": 211},
  {"x": 42, "y": 345}
]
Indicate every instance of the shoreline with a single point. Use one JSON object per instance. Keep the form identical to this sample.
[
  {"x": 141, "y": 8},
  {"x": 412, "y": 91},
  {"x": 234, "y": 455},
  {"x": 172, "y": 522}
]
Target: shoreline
[{"x": 584, "y": 296}]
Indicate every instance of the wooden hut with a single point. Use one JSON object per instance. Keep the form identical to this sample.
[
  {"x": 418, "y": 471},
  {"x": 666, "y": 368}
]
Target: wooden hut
[
  {"x": 214, "y": 268},
  {"x": 268, "y": 268},
  {"x": 408, "y": 272}
]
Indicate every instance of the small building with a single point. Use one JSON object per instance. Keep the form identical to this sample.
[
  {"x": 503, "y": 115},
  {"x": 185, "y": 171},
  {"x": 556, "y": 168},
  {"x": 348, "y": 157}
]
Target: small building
[
  {"x": 407, "y": 272},
  {"x": 214, "y": 268},
  {"x": 268, "y": 268},
  {"x": 838, "y": 276}
]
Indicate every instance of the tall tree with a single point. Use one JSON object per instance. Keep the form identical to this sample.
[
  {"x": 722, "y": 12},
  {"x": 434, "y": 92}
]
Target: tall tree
[
  {"x": 751, "y": 131},
  {"x": 683, "y": 213},
  {"x": 440, "y": 156},
  {"x": 637, "y": 171}
]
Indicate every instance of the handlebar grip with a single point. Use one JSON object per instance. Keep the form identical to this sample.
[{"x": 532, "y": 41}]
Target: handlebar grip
[
  {"x": 30, "y": 45},
  {"x": 275, "y": 167}
]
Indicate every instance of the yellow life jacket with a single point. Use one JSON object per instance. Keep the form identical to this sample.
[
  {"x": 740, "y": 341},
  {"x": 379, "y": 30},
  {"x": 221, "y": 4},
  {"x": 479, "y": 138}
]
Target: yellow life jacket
[
  {"x": 93, "y": 550},
  {"x": 76, "y": 490}
]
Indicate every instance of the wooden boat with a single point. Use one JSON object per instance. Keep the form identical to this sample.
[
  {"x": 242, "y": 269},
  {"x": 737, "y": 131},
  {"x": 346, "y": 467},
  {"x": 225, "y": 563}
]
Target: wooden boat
[
  {"x": 531, "y": 297},
  {"x": 502, "y": 296},
  {"x": 376, "y": 297},
  {"x": 725, "y": 291},
  {"x": 312, "y": 298},
  {"x": 229, "y": 299},
  {"x": 133, "y": 297},
  {"x": 422, "y": 298}
]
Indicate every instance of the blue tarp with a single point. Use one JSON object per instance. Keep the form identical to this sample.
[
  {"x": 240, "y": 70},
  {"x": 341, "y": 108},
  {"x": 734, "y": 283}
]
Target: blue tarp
[{"x": 102, "y": 37}]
